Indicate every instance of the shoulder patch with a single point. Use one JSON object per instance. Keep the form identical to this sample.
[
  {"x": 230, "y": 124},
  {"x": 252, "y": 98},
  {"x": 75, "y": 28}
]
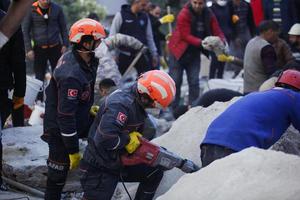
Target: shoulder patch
[{"x": 121, "y": 118}]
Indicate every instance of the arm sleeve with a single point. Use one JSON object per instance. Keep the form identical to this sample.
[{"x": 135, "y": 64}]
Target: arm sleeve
[
  {"x": 184, "y": 27},
  {"x": 63, "y": 28},
  {"x": 119, "y": 40},
  {"x": 17, "y": 61},
  {"x": 116, "y": 24},
  {"x": 150, "y": 40},
  {"x": 26, "y": 26},
  {"x": 112, "y": 125},
  {"x": 68, "y": 99},
  {"x": 268, "y": 57}
]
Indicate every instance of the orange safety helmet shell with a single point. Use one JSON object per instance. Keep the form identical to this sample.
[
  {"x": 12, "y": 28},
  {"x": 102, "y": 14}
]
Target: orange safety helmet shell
[
  {"x": 86, "y": 27},
  {"x": 289, "y": 77},
  {"x": 159, "y": 86}
]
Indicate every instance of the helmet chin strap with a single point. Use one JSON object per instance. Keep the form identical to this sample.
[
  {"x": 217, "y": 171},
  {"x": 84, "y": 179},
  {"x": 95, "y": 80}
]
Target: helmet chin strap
[{"x": 88, "y": 51}]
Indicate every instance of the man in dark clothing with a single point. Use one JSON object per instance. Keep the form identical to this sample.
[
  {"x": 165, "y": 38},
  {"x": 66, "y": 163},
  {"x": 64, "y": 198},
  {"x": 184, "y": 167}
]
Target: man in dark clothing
[
  {"x": 257, "y": 120},
  {"x": 70, "y": 96},
  {"x": 45, "y": 24},
  {"x": 133, "y": 21},
  {"x": 121, "y": 120},
  {"x": 223, "y": 15},
  {"x": 194, "y": 22},
  {"x": 12, "y": 76},
  {"x": 260, "y": 56},
  {"x": 243, "y": 29}
]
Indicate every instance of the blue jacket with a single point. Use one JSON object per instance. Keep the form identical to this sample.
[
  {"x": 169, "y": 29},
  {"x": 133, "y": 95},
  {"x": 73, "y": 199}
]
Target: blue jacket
[
  {"x": 258, "y": 119},
  {"x": 119, "y": 115},
  {"x": 70, "y": 96}
]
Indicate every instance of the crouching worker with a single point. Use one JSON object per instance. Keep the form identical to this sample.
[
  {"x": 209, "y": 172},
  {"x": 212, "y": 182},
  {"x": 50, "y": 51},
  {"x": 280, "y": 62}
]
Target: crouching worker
[
  {"x": 122, "y": 118},
  {"x": 69, "y": 98},
  {"x": 257, "y": 120}
]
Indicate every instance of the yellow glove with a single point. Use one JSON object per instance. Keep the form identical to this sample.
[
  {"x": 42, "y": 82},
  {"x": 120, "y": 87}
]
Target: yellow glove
[
  {"x": 74, "y": 160},
  {"x": 18, "y": 102},
  {"x": 235, "y": 19},
  {"x": 225, "y": 58},
  {"x": 163, "y": 62},
  {"x": 169, "y": 18},
  {"x": 94, "y": 109},
  {"x": 134, "y": 142}
]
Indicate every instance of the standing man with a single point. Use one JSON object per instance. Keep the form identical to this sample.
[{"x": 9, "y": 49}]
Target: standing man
[
  {"x": 45, "y": 25},
  {"x": 70, "y": 96},
  {"x": 294, "y": 40},
  {"x": 194, "y": 22},
  {"x": 260, "y": 56},
  {"x": 121, "y": 121},
  {"x": 256, "y": 120},
  {"x": 133, "y": 21}
]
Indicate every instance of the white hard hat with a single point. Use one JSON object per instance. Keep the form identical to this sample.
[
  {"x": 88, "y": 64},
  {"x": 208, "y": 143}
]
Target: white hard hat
[{"x": 295, "y": 30}]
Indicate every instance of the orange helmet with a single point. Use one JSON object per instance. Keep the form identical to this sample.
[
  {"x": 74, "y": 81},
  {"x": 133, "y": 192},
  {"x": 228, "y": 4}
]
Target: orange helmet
[
  {"x": 86, "y": 27},
  {"x": 289, "y": 77},
  {"x": 159, "y": 86}
]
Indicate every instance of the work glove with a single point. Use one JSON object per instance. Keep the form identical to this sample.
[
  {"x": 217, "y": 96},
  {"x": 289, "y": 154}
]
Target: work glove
[
  {"x": 169, "y": 18},
  {"x": 94, "y": 110},
  {"x": 74, "y": 160},
  {"x": 134, "y": 142},
  {"x": 225, "y": 58},
  {"x": 18, "y": 102},
  {"x": 235, "y": 18}
]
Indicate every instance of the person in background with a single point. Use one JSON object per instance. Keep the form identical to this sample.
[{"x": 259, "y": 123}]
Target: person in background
[
  {"x": 156, "y": 22},
  {"x": 121, "y": 121},
  {"x": 260, "y": 56},
  {"x": 294, "y": 41},
  {"x": 243, "y": 29},
  {"x": 133, "y": 21},
  {"x": 284, "y": 12},
  {"x": 70, "y": 96},
  {"x": 257, "y": 120},
  {"x": 194, "y": 22},
  {"x": 12, "y": 76},
  {"x": 222, "y": 13},
  {"x": 45, "y": 25}
]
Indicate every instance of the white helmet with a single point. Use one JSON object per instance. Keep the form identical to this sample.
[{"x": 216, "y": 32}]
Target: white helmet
[{"x": 295, "y": 30}]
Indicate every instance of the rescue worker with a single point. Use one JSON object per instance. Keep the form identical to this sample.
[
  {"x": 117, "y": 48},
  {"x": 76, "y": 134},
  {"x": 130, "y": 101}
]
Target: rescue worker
[
  {"x": 257, "y": 120},
  {"x": 122, "y": 118},
  {"x": 69, "y": 98}
]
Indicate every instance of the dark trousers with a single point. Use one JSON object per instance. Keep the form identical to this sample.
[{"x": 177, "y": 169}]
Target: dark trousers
[
  {"x": 40, "y": 62},
  {"x": 58, "y": 166},
  {"x": 216, "y": 69},
  {"x": 6, "y": 108},
  {"x": 100, "y": 185},
  {"x": 192, "y": 69},
  {"x": 212, "y": 152},
  {"x": 144, "y": 64},
  {"x": 1, "y": 152}
]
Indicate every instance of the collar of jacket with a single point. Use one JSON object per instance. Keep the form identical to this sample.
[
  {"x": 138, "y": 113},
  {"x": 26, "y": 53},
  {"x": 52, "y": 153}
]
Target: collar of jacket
[
  {"x": 82, "y": 63},
  {"x": 37, "y": 8}
]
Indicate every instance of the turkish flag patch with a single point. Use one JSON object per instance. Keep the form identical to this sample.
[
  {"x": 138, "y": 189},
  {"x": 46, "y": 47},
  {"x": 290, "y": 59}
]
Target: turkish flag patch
[
  {"x": 72, "y": 93},
  {"x": 121, "y": 117}
]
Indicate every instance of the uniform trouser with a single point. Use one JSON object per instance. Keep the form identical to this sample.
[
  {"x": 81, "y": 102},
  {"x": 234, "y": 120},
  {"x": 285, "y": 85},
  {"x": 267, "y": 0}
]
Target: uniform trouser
[
  {"x": 212, "y": 152},
  {"x": 216, "y": 69},
  {"x": 6, "y": 108},
  {"x": 192, "y": 69},
  {"x": 40, "y": 62},
  {"x": 58, "y": 167},
  {"x": 100, "y": 185},
  {"x": 144, "y": 63}
]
